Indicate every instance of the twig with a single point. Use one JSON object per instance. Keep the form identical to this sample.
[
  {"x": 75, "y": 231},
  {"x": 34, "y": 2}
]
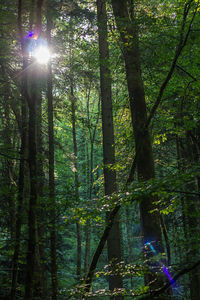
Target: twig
[{"x": 171, "y": 282}]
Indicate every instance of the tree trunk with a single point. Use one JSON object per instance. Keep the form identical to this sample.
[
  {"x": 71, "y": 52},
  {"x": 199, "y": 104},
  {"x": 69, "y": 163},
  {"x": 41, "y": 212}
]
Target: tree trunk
[
  {"x": 20, "y": 194},
  {"x": 32, "y": 149},
  {"x": 21, "y": 176},
  {"x": 89, "y": 196},
  {"x": 190, "y": 210},
  {"x": 114, "y": 240},
  {"x": 31, "y": 252},
  {"x": 73, "y": 118},
  {"x": 127, "y": 27},
  {"x": 39, "y": 273},
  {"x": 78, "y": 230},
  {"x": 54, "y": 280}
]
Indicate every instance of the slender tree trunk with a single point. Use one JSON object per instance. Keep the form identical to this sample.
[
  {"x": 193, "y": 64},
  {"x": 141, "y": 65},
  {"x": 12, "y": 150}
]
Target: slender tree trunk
[
  {"x": 7, "y": 163},
  {"x": 129, "y": 235},
  {"x": 89, "y": 175},
  {"x": 20, "y": 196},
  {"x": 114, "y": 241},
  {"x": 73, "y": 118},
  {"x": 21, "y": 176},
  {"x": 54, "y": 279},
  {"x": 89, "y": 195},
  {"x": 78, "y": 229},
  {"x": 92, "y": 135}
]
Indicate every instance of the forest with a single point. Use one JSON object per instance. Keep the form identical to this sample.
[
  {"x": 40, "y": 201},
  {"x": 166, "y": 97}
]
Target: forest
[{"x": 99, "y": 149}]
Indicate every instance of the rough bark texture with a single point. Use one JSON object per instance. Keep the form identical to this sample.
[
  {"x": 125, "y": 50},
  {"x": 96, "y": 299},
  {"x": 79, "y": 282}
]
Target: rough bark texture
[{"x": 114, "y": 241}]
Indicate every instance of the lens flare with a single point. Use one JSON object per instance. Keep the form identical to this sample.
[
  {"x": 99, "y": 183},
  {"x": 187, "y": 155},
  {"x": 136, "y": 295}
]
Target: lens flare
[
  {"x": 32, "y": 35},
  {"x": 42, "y": 54},
  {"x": 165, "y": 270}
]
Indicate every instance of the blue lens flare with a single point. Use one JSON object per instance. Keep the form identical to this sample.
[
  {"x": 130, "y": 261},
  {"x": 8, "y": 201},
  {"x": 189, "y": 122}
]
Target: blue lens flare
[
  {"x": 165, "y": 270},
  {"x": 32, "y": 35},
  {"x": 148, "y": 244}
]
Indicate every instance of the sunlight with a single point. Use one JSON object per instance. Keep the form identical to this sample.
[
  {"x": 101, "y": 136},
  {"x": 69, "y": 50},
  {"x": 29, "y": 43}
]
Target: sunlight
[{"x": 42, "y": 54}]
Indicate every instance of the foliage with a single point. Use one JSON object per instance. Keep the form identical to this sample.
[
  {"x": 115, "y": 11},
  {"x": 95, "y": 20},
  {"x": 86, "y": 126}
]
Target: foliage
[{"x": 175, "y": 135}]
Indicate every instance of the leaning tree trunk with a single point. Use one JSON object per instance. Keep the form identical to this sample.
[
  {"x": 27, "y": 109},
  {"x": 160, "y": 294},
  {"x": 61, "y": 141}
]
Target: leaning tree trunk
[{"x": 114, "y": 238}]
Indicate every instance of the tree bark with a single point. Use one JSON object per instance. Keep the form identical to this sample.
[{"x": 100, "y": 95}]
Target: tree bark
[
  {"x": 54, "y": 279},
  {"x": 75, "y": 149},
  {"x": 114, "y": 238},
  {"x": 78, "y": 230},
  {"x": 20, "y": 194},
  {"x": 32, "y": 215},
  {"x": 31, "y": 252},
  {"x": 187, "y": 157}
]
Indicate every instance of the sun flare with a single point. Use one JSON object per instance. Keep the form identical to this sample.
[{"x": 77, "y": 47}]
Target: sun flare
[{"x": 42, "y": 55}]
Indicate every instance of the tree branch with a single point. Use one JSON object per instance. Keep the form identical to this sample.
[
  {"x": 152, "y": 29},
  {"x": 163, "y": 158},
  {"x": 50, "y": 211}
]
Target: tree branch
[
  {"x": 181, "y": 45},
  {"x": 168, "y": 284}
]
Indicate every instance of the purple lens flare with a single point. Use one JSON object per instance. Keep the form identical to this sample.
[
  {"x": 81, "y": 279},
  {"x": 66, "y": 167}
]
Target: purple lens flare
[{"x": 164, "y": 268}]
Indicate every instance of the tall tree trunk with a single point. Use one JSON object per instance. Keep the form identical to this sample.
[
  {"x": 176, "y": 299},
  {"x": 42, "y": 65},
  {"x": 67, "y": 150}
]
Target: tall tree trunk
[
  {"x": 7, "y": 163},
  {"x": 92, "y": 135},
  {"x": 73, "y": 118},
  {"x": 39, "y": 275},
  {"x": 31, "y": 252},
  {"x": 127, "y": 27},
  {"x": 32, "y": 216},
  {"x": 89, "y": 196},
  {"x": 20, "y": 194},
  {"x": 54, "y": 279},
  {"x": 190, "y": 213},
  {"x": 78, "y": 229},
  {"x": 114, "y": 241}
]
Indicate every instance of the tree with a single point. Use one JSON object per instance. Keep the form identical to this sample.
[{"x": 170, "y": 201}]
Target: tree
[
  {"x": 22, "y": 163},
  {"x": 153, "y": 46},
  {"x": 32, "y": 159},
  {"x": 54, "y": 279},
  {"x": 114, "y": 241},
  {"x": 144, "y": 158}
]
